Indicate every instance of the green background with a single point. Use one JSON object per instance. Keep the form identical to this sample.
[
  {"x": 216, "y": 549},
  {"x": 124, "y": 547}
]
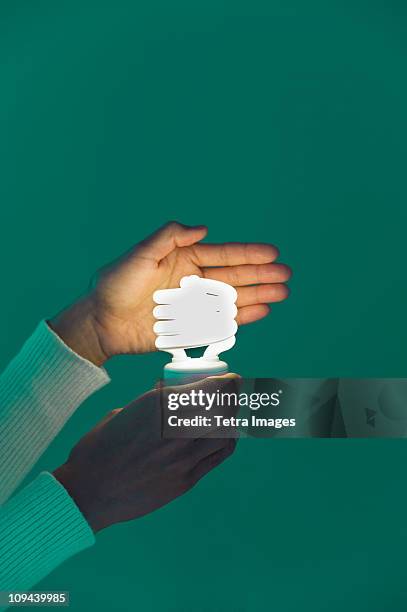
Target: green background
[{"x": 281, "y": 121}]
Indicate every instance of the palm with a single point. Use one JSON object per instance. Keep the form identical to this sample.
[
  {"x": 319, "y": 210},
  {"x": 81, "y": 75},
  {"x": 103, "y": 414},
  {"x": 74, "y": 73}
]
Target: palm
[
  {"x": 125, "y": 299},
  {"x": 123, "y": 293}
]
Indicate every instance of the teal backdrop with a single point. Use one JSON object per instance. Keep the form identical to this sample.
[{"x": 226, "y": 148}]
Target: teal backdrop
[{"x": 278, "y": 120}]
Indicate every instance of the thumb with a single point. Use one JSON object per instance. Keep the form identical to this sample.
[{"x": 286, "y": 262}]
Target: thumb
[
  {"x": 167, "y": 238},
  {"x": 108, "y": 417}
]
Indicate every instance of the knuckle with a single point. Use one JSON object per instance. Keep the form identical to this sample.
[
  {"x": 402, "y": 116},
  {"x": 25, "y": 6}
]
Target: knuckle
[
  {"x": 172, "y": 225},
  {"x": 224, "y": 255},
  {"x": 235, "y": 275}
]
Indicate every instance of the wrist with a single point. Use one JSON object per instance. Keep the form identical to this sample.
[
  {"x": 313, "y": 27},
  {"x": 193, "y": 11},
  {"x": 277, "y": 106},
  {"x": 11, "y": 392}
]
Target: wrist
[
  {"x": 76, "y": 327},
  {"x": 80, "y": 494}
]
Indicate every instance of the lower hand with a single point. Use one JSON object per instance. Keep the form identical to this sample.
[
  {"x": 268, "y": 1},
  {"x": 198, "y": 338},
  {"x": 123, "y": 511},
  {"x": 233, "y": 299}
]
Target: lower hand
[{"x": 124, "y": 469}]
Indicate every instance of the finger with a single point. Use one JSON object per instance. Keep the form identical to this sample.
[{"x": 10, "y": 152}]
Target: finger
[
  {"x": 222, "y": 389},
  {"x": 250, "y": 314},
  {"x": 201, "y": 398},
  {"x": 239, "y": 276},
  {"x": 261, "y": 294},
  {"x": 234, "y": 254},
  {"x": 209, "y": 463},
  {"x": 167, "y": 238},
  {"x": 226, "y": 382}
]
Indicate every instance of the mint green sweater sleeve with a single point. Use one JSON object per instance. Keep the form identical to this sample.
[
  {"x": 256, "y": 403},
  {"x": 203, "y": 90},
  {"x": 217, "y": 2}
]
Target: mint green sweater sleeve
[
  {"x": 40, "y": 389},
  {"x": 40, "y": 527}
]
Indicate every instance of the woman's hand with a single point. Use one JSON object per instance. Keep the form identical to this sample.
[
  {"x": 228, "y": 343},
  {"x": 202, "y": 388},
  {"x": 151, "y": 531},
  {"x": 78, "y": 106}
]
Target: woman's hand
[
  {"x": 116, "y": 316},
  {"x": 125, "y": 468}
]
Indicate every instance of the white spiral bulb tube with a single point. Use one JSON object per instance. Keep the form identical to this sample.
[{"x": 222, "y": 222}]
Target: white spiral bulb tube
[{"x": 201, "y": 312}]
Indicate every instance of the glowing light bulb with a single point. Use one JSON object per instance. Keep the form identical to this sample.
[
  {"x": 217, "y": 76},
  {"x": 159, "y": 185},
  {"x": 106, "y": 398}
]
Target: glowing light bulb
[{"x": 201, "y": 312}]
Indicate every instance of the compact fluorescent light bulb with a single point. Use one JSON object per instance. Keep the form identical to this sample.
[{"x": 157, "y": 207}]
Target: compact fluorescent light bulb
[{"x": 201, "y": 312}]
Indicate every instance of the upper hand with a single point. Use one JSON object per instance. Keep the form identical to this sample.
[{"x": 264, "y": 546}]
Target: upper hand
[{"x": 116, "y": 316}]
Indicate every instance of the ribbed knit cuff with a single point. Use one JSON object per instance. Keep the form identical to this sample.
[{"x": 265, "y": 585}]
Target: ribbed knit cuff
[
  {"x": 40, "y": 527},
  {"x": 39, "y": 391}
]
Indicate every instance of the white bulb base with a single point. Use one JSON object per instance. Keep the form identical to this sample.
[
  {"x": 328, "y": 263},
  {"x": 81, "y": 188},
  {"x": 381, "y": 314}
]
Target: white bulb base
[{"x": 195, "y": 368}]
